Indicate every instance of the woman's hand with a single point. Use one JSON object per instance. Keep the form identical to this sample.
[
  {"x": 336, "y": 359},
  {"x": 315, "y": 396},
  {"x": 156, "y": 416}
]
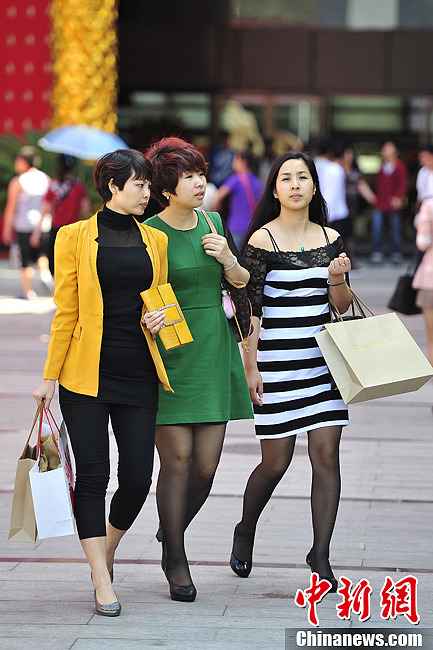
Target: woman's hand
[
  {"x": 154, "y": 320},
  {"x": 255, "y": 385},
  {"x": 45, "y": 392},
  {"x": 338, "y": 267},
  {"x": 217, "y": 246}
]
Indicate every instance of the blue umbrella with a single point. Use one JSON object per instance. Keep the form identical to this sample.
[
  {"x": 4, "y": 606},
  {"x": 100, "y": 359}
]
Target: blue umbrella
[{"x": 81, "y": 141}]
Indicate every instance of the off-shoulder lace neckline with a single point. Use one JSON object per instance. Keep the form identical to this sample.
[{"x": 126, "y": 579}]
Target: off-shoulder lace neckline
[{"x": 307, "y": 250}]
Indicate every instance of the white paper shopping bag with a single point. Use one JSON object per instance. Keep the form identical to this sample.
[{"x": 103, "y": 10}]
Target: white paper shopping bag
[{"x": 52, "y": 498}]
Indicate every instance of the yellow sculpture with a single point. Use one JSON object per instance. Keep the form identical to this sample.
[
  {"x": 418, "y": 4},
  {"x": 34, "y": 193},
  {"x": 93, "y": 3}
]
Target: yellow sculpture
[{"x": 84, "y": 49}]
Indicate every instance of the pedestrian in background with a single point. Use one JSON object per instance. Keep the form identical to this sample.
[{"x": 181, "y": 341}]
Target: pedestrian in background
[
  {"x": 207, "y": 375},
  {"x": 105, "y": 367},
  {"x": 23, "y": 214},
  {"x": 333, "y": 187},
  {"x": 424, "y": 178},
  {"x": 243, "y": 189},
  {"x": 294, "y": 261},
  {"x": 391, "y": 190},
  {"x": 66, "y": 201},
  {"x": 423, "y": 279},
  {"x": 356, "y": 186}
]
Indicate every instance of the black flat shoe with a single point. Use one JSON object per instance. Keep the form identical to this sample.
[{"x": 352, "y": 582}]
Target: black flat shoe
[
  {"x": 333, "y": 581},
  {"x": 160, "y": 537},
  {"x": 242, "y": 568},
  {"x": 185, "y": 594}
]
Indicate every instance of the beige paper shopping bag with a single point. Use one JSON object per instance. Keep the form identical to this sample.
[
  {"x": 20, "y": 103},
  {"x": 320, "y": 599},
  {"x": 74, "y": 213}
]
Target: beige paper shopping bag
[
  {"x": 23, "y": 523},
  {"x": 373, "y": 357}
]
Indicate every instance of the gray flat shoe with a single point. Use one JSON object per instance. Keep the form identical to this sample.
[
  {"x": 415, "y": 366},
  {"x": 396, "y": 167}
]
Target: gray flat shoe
[{"x": 112, "y": 609}]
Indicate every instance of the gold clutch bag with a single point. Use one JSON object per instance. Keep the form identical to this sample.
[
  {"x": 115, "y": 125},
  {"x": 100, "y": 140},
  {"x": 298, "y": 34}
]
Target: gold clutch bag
[{"x": 176, "y": 331}]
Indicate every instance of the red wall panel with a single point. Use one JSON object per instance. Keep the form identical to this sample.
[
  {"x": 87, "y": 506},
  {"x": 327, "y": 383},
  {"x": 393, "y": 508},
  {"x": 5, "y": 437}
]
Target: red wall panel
[{"x": 25, "y": 66}]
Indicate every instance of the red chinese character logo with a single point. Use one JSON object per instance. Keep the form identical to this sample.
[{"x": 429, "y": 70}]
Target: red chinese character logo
[
  {"x": 357, "y": 600},
  {"x": 403, "y": 600},
  {"x": 313, "y": 595}
]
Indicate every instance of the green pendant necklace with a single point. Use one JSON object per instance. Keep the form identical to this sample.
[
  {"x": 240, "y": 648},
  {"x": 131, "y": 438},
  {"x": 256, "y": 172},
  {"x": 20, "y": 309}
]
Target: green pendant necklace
[{"x": 302, "y": 247}]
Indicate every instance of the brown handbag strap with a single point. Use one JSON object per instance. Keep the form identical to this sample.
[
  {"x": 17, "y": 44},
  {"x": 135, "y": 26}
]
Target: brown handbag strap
[
  {"x": 356, "y": 300},
  {"x": 209, "y": 222},
  {"x": 38, "y": 414}
]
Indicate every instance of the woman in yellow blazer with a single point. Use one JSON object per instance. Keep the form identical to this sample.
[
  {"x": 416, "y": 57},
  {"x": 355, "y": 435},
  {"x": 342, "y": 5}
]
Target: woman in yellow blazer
[{"x": 105, "y": 367}]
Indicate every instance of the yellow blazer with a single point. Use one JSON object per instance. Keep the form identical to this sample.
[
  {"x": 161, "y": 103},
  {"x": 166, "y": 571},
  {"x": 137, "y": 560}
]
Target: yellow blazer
[{"x": 76, "y": 333}]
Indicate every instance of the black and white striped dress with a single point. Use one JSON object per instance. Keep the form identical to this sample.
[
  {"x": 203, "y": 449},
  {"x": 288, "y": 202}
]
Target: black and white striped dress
[{"x": 289, "y": 291}]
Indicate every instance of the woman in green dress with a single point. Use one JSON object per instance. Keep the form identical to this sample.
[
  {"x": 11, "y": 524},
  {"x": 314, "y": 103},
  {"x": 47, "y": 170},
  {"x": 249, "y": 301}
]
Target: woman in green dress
[{"x": 207, "y": 375}]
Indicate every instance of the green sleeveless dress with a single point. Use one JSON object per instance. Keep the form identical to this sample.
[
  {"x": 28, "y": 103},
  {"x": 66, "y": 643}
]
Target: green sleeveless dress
[{"x": 207, "y": 375}]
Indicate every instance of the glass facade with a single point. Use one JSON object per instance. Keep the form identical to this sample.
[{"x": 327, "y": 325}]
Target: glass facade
[{"x": 351, "y": 14}]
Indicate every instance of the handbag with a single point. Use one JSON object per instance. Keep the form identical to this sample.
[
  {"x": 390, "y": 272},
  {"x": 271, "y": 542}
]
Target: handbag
[
  {"x": 372, "y": 357},
  {"x": 404, "y": 296},
  {"x": 51, "y": 482},
  {"x": 23, "y": 523},
  {"x": 175, "y": 331},
  {"x": 235, "y": 294}
]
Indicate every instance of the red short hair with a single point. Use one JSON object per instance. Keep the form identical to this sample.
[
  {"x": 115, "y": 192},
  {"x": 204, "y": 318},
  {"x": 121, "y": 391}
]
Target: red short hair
[{"x": 170, "y": 158}]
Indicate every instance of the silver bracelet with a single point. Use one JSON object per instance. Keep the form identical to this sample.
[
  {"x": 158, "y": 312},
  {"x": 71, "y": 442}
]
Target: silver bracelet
[
  {"x": 336, "y": 283},
  {"x": 235, "y": 261}
]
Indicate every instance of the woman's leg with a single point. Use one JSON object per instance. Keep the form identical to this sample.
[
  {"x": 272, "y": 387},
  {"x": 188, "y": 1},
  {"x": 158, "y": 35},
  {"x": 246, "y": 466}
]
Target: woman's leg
[
  {"x": 175, "y": 444},
  {"x": 208, "y": 442},
  {"x": 276, "y": 457},
  {"x": 323, "y": 449},
  {"x": 134, "y": 430},
  {"x": 87, "y": 426}
]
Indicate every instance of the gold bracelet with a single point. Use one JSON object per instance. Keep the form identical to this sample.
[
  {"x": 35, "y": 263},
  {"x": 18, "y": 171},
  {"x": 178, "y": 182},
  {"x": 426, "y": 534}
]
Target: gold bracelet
[{"x": 336, "y": 283}]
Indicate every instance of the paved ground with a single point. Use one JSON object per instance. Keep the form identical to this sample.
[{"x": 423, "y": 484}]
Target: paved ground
[{"x": 384, "y": 526}]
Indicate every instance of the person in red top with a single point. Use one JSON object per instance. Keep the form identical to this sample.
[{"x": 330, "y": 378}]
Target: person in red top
[
  {"x": 66, "y": 200},
  {"x": 391, "y": 188}
]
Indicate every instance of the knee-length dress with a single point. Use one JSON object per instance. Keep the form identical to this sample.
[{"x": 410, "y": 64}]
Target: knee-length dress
[
  {"x": 289, "y": 291},
  {"x": 207, "y": 375}
]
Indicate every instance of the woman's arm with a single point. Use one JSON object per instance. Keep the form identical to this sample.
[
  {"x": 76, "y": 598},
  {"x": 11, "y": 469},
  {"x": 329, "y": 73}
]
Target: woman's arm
[
  {"x": 14, "y": 188},
  {"x": 425, "y": 226},
  {"x": 366, "y": 192},
  {"x": 47, "y": 207},
  {"x": 254, "y": 378},
  {"x": 339, "y": 292}
]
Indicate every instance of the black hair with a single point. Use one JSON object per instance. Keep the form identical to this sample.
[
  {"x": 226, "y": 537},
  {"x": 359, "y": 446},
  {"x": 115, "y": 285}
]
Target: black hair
[
  {"x": 118, "y": 166},
  {"x": 268, "y": 207},
  {"x": 65, "y": 164},
  {"x": 426, "y": 147}
]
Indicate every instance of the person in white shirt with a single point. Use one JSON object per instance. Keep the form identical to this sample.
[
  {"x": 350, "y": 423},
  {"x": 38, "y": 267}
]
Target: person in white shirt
[
  {"x": 21, "y": 216},
  {"x": 424, "y": 179},
  {"x": 332, "y": 181}
]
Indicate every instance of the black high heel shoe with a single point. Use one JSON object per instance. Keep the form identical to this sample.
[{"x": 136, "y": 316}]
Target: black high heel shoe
[
  {"x": 333, "y": 581},
  {"x": 242, "y": 568},
  {"x": 160, "y": 537},
  {"x": 185, "y": 594}
]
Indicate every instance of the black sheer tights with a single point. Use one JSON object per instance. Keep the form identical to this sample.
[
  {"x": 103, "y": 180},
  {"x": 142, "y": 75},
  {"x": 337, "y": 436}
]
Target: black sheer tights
[
  {"x": 323, "y": 450},
  {"x": 189, "y": 456}
]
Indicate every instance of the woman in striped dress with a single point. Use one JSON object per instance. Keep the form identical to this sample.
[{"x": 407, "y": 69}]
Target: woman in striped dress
[{"x": 295, "y": 263}]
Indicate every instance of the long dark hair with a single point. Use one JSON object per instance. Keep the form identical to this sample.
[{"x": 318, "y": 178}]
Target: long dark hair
[{"x": 268, "y": 207}]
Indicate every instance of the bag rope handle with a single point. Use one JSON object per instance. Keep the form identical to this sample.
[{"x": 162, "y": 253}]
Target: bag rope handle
[
  {"x": 355, "y": 300},
  {"x": 46, "y": 412}
]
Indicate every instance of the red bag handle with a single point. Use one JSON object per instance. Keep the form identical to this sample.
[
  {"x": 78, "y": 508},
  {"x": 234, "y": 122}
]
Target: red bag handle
[{"x": 48, "y": 414}]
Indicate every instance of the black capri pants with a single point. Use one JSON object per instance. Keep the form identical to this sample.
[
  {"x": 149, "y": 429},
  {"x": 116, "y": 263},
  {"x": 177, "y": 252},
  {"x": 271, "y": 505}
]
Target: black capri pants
[{"x": 134, "y": 430}]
